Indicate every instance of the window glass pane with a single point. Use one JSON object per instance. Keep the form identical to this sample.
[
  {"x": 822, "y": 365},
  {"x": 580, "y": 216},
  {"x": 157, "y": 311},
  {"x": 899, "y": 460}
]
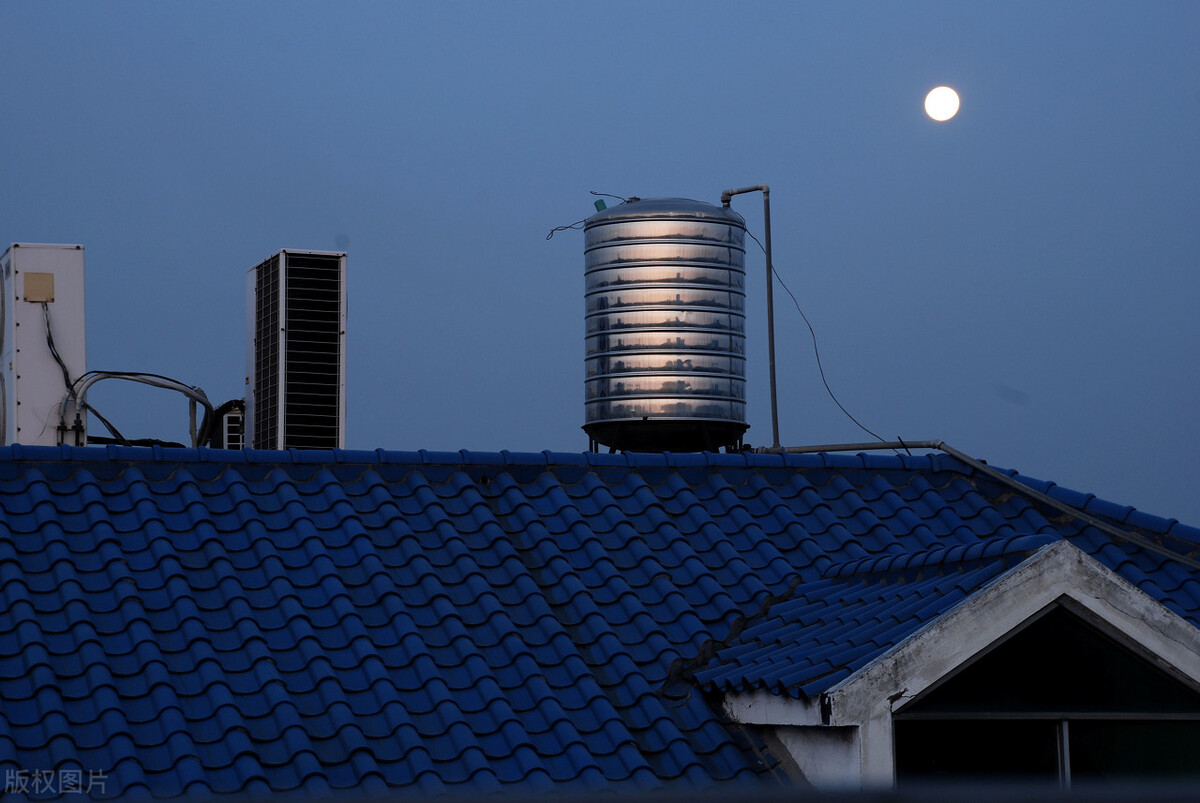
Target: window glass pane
[
  {"x": 1106, "y": 750},
  {"x": 1012, "y": 751}
]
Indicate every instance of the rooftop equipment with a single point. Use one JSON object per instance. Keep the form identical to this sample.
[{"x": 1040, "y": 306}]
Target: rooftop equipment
[
  {"x": 296, "y": 351},
  {"x": 230, "y": 429},
  {"x": 665, "y": 349},
  {"x": 42, "y": 343}
]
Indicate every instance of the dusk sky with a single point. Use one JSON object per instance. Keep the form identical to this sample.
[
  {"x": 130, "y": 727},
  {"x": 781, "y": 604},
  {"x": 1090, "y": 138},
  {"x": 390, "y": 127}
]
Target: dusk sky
[{"x": 1021, "y": 281}]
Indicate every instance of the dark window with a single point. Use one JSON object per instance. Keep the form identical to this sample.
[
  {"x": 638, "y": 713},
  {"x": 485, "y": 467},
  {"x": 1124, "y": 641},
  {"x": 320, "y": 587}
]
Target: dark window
[
  {"x": 1103, "y": 750},
  {"x": 1060, "y": 700},
  {"x": 1017, "y": 750}
]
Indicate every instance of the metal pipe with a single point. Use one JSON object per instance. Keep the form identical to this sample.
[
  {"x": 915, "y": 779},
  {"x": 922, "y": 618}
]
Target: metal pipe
[
  {"x": 726, "y": 196},
  {"x": 766, "y": 193},
  {"x": 83, "y": 383},
  {"x": 192, "y": 421},
  {"x": 850, "y": 447},
  {"x": 1006, "y": 480}
]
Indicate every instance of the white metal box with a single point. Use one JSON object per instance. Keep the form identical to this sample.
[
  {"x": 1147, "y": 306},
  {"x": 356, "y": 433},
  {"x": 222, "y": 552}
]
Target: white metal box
[
  {"x": 42, "y": 343},
  {"x": 296, "y": 351}
]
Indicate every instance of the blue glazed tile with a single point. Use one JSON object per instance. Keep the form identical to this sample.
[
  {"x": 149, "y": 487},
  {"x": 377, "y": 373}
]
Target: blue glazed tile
[{"x": 331, "y": 620}]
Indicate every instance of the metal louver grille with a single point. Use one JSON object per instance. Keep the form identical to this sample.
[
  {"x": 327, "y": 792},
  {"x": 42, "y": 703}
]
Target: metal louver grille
[
  {"x": 232, "y": 435},
  {"x": 267, "y": 356},
  {"x": 296, "y": 398},
  {"x": 313, "y": 335}
]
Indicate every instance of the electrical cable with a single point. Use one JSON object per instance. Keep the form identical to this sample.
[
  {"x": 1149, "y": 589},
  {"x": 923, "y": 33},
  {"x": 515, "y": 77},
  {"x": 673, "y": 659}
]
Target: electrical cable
[
  {"x": 816, "y": 351},
  {"x": 578, "y": 224},
  {"x": 71, "y": 395},
  {"x": 103, "y": 441},
  {"x": 112, "y": 430},
  {"x": 54, "y": 351},
  {"x": 620, "y": 198},
  {"x": 78, "y": 391}
]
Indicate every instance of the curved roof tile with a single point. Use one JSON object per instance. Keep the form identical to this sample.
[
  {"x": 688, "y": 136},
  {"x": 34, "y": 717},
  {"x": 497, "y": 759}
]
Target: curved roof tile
[{"x": 219, "y": 622}]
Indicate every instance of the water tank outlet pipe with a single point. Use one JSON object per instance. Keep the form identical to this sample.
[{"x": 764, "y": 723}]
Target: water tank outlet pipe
[{"x": 726, "y": 196}]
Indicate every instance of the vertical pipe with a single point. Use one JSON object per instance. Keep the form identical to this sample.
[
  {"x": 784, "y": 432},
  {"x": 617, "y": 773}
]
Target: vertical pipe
[
  {"x": 770, "y": 315},
  {"x": 192, "y": 421},
  {"x": 726, "y": 196}
]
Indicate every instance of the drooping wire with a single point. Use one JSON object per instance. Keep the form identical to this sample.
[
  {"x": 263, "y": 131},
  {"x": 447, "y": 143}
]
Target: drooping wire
[
  {"x": 816, "y": 350},
  {"x": 578, "y": 224},
  {"x": 54, "y": 351},
  {"x": 79, "y": 393},
  {"x": 71, "y": 396},
  {"x": 112, "y": 430},
  {"x": 620, "y": 198},
  {"x": 75, "y": 388}
]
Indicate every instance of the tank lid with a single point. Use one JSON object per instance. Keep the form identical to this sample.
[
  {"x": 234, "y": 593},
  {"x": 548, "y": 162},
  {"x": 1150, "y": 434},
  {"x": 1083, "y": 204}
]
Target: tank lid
[{"x": 641, "y": 208}]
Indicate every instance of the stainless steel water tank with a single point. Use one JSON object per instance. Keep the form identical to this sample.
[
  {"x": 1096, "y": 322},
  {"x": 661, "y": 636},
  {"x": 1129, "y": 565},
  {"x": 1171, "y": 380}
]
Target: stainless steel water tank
[{"x": 665, "y": 340}]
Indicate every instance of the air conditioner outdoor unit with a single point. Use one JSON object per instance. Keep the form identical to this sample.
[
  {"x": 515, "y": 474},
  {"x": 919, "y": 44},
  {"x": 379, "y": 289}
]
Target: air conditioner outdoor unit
[
  {"x": 42, "y": 344},
  {"x": 296, "y": 351}
]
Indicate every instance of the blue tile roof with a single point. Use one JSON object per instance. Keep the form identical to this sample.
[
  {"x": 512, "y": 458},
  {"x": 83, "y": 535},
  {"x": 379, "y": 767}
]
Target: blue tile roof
[{"x": 194, "y": 621}]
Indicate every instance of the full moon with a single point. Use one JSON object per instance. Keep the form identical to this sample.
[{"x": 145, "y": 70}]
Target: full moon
[{"x": 941, "y": 103}]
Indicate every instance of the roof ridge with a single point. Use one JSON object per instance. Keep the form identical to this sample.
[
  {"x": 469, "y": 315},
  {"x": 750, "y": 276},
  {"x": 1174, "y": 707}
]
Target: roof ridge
[
  {"x": 501, "y": 459},
  {"x": 941, "y": 555}
]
